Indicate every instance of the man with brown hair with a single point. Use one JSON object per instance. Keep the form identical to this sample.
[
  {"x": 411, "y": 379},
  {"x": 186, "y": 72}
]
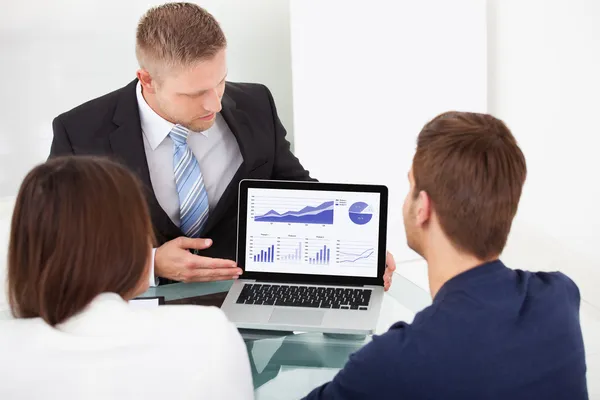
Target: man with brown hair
[
  {"x": 190, "y": 136},
  {"x": 491, "y": 332}
]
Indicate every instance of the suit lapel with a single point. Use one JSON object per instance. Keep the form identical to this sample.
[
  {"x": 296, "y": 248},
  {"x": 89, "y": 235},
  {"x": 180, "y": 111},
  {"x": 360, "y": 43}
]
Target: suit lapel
[
  {"x": 127, "y": 145},
  {"x": 238, "y": 123}
]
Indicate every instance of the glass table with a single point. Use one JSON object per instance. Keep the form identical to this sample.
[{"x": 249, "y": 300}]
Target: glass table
[{"x": 289, "y": 365}]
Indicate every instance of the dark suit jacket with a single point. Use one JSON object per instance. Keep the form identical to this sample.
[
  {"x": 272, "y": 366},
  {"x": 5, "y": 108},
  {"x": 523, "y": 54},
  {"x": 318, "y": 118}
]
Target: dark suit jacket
[{"x": 110, "y": 126}]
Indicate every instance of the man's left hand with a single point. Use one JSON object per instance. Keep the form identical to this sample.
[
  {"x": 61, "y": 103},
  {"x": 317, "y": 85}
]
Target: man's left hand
[{"x": 390, "y": 267}]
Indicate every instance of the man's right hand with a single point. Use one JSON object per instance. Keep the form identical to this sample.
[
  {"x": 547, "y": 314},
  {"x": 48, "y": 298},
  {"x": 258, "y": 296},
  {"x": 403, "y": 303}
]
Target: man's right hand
[{"x": 174, "y": 261}]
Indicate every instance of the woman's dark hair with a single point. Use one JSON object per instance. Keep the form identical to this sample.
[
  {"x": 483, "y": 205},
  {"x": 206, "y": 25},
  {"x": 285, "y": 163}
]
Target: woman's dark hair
[{"x": 80, "y": 227}]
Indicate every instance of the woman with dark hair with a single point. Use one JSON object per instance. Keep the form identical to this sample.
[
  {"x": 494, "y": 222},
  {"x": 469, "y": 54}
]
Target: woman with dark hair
[{"x": 80, "y": 247}]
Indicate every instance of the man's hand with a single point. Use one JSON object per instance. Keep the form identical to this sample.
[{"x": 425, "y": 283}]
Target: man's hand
[
  {"x": 175, "y": 262},
  {"x": 390, "y": 267}
]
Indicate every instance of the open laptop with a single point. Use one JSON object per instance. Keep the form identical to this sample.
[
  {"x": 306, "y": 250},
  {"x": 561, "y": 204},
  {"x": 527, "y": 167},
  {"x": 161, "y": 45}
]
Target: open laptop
[{"x": 313, "y": 256}]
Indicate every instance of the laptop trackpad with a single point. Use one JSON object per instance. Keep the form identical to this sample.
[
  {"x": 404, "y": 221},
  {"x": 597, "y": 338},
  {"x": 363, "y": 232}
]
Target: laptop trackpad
[{"x": 291, "y": 316}]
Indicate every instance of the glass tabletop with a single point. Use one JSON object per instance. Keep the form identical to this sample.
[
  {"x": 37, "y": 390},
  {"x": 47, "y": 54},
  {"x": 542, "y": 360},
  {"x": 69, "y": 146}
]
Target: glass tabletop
[{"x": 289, "y": 365}]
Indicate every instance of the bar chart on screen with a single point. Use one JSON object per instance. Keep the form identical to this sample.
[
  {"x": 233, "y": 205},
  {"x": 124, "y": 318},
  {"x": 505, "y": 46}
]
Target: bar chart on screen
[
  {"x": 290, "y": 250},
  {"x": 262, "y": 249},
  {"x": 318, "y": 251}
]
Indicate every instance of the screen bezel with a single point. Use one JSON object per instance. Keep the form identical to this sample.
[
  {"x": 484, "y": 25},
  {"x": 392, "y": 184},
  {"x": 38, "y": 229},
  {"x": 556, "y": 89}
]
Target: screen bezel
[{"x": 317, "y": 186}]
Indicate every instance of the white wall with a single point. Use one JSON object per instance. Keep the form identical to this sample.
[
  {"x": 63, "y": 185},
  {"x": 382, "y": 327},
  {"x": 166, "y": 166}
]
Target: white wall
[
  {"x": 367, "y": 77},
  {"x": 6, "y": 207},
  {"x": 57, "y": 54},
  {"x": 258, "y": 32},
  {"x": 544, "y": 81},
  {"x": 543, "y": 63}
]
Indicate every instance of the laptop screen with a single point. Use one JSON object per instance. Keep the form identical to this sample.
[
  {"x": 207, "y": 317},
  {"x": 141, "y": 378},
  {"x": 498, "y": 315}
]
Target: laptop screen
[{"x": 313, "y": 232}]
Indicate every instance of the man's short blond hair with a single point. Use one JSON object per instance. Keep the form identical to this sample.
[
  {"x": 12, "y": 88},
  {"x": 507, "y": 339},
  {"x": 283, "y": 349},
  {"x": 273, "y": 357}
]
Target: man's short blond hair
[{"x": 176, "y": 35}]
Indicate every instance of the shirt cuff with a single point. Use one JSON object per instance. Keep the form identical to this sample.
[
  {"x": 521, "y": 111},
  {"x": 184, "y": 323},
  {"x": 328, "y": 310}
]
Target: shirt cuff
[{"x": 153, "y": 279}]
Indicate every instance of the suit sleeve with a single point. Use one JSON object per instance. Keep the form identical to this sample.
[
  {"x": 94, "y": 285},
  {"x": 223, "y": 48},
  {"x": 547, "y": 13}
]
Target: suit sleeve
[
  {"x": 61, "y": 145},
  {"x": 287, "y": 166}
]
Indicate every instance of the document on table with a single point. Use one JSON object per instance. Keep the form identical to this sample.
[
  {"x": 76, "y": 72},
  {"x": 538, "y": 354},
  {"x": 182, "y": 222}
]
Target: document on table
[{"x": 147, "y": 303}]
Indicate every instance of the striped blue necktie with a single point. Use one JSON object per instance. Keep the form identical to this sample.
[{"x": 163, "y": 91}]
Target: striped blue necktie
[{"x": 193, "y": 199}]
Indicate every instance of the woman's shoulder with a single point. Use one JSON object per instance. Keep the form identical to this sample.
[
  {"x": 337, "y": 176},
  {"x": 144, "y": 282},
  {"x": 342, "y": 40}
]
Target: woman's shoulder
[
  {"x": 190, "y": 313},
  {"x": 196, "y": 319},
  {"x": 203, "y": 331}
]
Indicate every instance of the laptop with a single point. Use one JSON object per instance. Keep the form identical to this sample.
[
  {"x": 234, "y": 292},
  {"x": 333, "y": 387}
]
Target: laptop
[{"x": 313, "y": 256}]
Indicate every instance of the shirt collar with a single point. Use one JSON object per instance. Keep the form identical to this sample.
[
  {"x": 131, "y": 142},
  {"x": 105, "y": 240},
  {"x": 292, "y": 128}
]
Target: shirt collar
[
  {"x": 154, "y": 127},
  {"x": 464, "y": 279}
]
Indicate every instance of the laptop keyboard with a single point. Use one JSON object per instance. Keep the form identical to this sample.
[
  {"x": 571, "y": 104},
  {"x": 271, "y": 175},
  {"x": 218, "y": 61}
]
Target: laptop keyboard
[{"x": 305, "y": 296}]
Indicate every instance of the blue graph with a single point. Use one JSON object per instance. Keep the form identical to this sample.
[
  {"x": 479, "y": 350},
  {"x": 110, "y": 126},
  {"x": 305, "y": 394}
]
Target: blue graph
[
  {"x": 294, "y": 255},
  {"x": 322, "y": 214},
  {"x": 321, "y": 257},
  {"x": 360, "y": 213},
  {"x": 354, "y": 257},
  {"x": 265, "y": 256}
]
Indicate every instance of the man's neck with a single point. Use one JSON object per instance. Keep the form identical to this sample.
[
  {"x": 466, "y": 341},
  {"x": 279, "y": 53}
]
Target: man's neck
[
  {"x": 445, "y": 262},
  {"x": 151, "y": 101}
]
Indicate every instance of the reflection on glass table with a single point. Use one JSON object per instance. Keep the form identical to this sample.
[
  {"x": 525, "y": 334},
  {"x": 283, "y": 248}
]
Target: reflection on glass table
[{"x": 288, "y": 365}]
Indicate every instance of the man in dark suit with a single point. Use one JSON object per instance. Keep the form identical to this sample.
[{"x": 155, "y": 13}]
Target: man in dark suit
[{"x": 190, "y": 136}]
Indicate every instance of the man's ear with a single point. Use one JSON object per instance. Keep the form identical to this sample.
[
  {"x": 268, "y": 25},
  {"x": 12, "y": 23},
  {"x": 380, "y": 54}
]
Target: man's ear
[
  {"x": 423, "y": 208},
  {"x": 146, "y": 81}
]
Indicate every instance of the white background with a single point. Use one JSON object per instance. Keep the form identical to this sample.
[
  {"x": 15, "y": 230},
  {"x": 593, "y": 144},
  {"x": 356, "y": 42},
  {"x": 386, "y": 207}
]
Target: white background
[
  {"x": 365, "y": 85},
  {"x": 363, "y": 90},
  {"x": 545, "y": 83}
]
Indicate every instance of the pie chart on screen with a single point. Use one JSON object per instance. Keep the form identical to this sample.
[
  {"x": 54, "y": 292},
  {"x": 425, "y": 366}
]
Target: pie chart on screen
[{"x": 360, "y": 213}]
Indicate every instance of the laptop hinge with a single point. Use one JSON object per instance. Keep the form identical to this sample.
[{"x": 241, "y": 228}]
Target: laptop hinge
[{"x": 285, "y": 282}]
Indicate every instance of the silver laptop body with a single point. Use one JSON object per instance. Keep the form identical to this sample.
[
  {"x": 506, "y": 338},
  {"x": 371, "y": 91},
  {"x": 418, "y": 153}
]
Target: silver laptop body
[{"x": 313, "y": 256}]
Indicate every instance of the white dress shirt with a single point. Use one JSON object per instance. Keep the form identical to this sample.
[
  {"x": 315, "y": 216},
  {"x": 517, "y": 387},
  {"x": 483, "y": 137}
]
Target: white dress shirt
[
  {"x": 216, "y": 150},
  {"x": 114, "y": 351}
]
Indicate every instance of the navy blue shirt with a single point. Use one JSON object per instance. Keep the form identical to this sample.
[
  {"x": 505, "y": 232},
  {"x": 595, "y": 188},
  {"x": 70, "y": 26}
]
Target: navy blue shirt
[{"x": 491, "y": 333}]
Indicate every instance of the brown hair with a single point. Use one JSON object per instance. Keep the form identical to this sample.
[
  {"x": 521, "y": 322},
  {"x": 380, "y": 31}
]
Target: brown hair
[
  {"x": 80, "y": 227},
  {"x": 473, "y": 171},
  {"x": 176, "y": 34}
]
